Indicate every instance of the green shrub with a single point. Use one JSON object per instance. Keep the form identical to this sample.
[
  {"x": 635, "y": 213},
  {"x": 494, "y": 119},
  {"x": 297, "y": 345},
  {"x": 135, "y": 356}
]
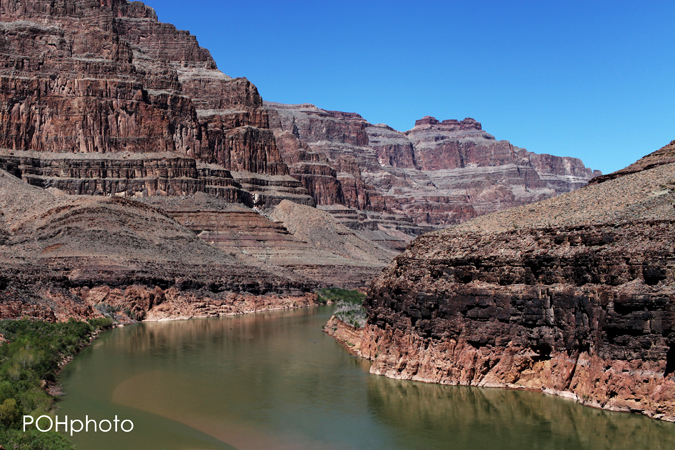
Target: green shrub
[
  {"x": 9, "y": 413},
  {"x": 349, "y": 304},
  {"x": 102, "y": 323},
  {"x": 33, "y": 440},
  {"x": 32, "y": 354},
  {"x": 335, "y": 295}
]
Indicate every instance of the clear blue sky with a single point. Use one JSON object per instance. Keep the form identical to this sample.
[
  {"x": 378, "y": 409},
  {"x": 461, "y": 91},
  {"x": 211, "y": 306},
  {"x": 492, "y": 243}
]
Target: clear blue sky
[{"x": 595, "y": 80}]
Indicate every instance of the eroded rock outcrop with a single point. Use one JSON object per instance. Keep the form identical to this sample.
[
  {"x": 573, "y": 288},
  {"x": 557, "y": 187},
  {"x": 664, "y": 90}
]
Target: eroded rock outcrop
[
  {"x": 105, "y": 76},
  {"x": 439, "y": 173},
  {"x": 572, "y": 295},
  {"x": 291, "y": 238},
  {"x": 57, "y": 248}
]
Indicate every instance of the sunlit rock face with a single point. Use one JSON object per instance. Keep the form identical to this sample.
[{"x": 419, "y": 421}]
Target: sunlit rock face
[
  {"x": 437, "y": 174},
  {"x": 572, "y": 295},
  {"x": 100, "y": 77}
]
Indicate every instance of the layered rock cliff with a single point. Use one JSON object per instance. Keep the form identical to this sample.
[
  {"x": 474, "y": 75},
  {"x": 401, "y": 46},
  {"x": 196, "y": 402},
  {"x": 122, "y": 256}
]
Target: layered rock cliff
[
  {"x": 294, "y": 238},
  {"x": 105, "y": 76},
  {"x": 76, "y": 256},
  {"x": 438, "y": 173},
  {"x": 99, "y": 98},
  {"x": 573, "y": 295}
]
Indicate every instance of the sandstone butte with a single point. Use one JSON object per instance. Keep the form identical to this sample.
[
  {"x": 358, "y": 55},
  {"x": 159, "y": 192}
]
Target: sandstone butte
[
  {"x": 572, "y": 295},
  {"x": 188, "y": 195}
]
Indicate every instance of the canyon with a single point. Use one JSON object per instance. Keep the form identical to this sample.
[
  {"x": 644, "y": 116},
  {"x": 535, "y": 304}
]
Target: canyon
[
  {"x": 140, "y": 180},
  {"x": 572, "y": 296}
]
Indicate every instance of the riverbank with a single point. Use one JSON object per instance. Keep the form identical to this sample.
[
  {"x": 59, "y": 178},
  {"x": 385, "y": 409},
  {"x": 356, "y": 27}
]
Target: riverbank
[
  {"x": 399, "y": 364},
  {"x": 275, "y": 380},
  {"x": 32, "y": 356},
  {"x": 33, "y": 353}
]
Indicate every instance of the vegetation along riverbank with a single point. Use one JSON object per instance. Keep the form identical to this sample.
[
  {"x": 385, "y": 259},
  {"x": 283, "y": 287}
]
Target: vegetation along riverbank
[{"x": 32, "y": 354}]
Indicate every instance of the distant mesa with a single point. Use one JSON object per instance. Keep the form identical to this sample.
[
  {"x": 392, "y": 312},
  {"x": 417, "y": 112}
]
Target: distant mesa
[
  {"x": 439, "y": 173},
  {"x": 450, "y": 124}
]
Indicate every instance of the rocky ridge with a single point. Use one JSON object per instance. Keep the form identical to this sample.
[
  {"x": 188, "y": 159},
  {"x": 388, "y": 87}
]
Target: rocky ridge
[
  {"x": 436, "y": 174},
  {"x": 573, "y": 296},
  {"x": 291, "y": 237},
  {"x": 57, "y": 249}
]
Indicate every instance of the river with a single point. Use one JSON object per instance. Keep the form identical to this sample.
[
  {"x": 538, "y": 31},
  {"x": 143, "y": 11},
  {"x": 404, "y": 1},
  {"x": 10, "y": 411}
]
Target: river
[{"x": 276, "y": 381}]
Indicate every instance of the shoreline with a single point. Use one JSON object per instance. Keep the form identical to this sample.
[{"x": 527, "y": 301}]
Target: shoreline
[
  {"x": 227, "y": 314},
  {"x": 351, "y": 339}
]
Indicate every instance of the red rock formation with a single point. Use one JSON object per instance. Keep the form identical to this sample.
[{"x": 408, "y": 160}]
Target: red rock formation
[
  {"x": 83, "y": 76},
  {"x": 572, "y": 296},
  {"x": 123, "y": 175},
  {"x": 330, "y": 142},
  {"x": 438, "y": 173}
]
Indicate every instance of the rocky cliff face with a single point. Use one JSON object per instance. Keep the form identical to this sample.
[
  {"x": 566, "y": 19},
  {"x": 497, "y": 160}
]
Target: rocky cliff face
[
  {"x": 572, "y": 295},
  {"x": 105, "y": 76},
  {"x": 81, "y": 77},
  {"x": 99, "y": 98},
  {"x": 438, "y": 173},
  {"x": 58, "y": 249}
]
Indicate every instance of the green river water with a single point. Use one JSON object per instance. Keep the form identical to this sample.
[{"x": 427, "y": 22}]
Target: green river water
[{"x": 276, "y": 381}]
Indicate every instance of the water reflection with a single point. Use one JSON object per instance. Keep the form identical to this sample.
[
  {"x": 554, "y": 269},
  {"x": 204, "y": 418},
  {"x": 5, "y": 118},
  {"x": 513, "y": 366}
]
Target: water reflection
[
  {"x": 464, "y": 418},
  {"x": 276, "y": 381}
]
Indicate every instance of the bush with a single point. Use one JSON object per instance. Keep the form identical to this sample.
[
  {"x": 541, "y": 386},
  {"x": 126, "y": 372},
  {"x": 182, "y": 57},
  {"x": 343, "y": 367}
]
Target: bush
[
  {"x": 9, "y": 413},
  {"x": 32, "y": 354},
  {"x": 336, "y": 295},
  {"x": 349, "y": 304},
  {"x": 351, "y": 314},
  {"x": 103, "y": 323},
  {"x": 33, "y": 440}
]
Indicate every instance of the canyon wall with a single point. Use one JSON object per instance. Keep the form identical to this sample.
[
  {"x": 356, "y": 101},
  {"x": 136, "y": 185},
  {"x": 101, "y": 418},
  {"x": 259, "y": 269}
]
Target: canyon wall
[
  {"x": 437, "y": 174},
  {"x": 81, "y": 77},
  {"x": 573, "y": 295},
  {"x": 99, "y": 98}
]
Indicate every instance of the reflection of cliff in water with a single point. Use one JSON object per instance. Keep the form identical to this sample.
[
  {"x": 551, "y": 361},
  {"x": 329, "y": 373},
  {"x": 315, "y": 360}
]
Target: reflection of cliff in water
[
  {"x": 466, "y": 417},
  {"x": 188, "y": 337},
  {"x": 265, "y": 358}
]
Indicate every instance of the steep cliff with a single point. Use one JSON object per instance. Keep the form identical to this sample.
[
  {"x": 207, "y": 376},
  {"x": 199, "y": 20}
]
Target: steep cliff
[
  {"x": 99, "y": 98},
  {"x": 438, "y": 173},
  {"x": 574, "y": 295},
  {"x": 105, "y": 76}
]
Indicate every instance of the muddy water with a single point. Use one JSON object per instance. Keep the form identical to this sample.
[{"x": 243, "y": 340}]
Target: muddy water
[{"x": 275, "y": 381}]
